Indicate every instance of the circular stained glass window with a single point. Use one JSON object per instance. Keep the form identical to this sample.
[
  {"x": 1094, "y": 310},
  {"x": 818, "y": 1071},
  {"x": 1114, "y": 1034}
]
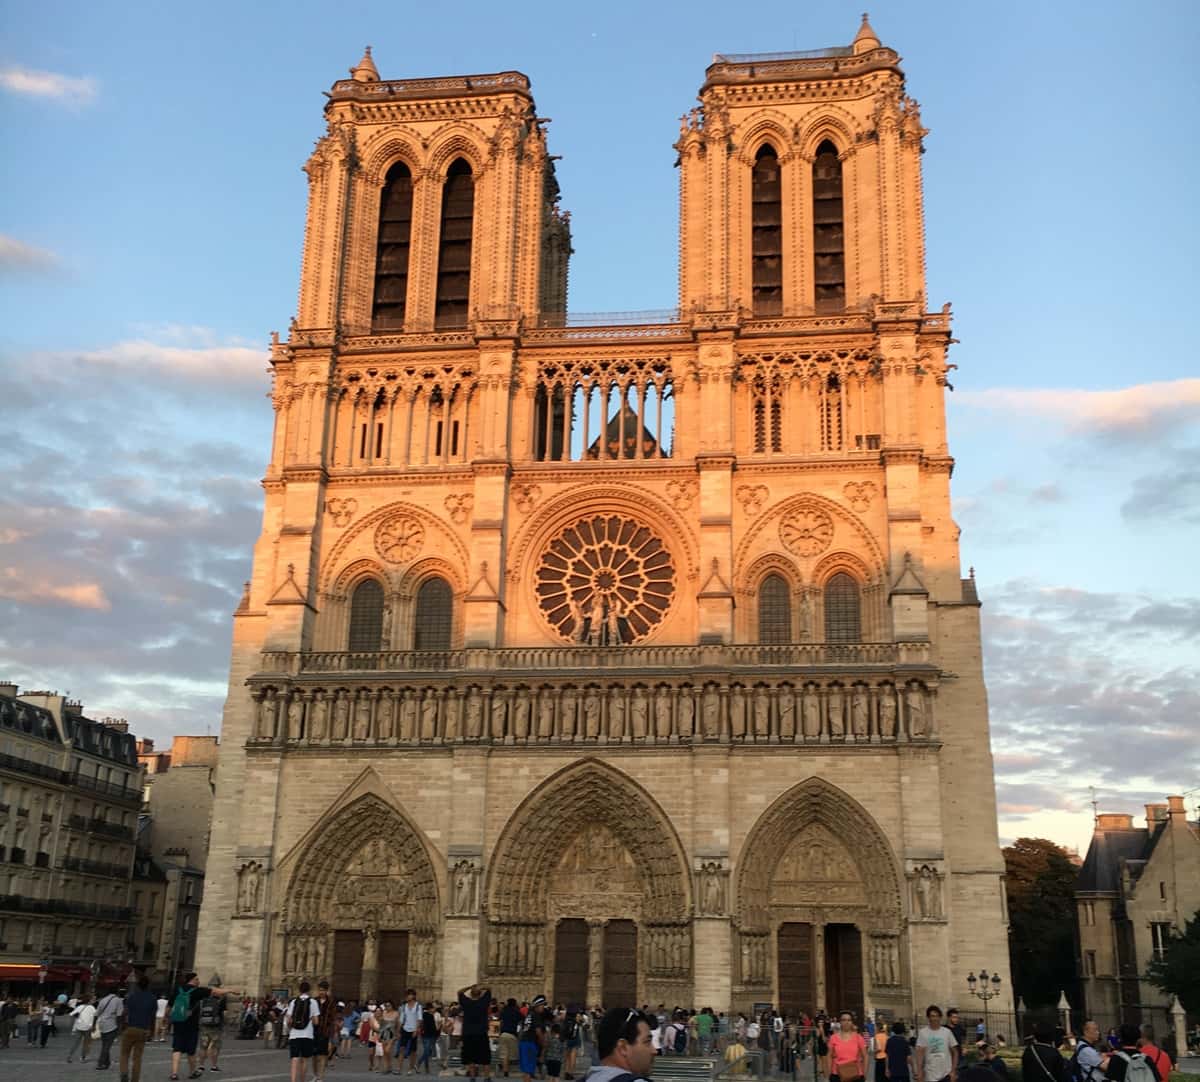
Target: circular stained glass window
[{"x": 605, "y": 580}]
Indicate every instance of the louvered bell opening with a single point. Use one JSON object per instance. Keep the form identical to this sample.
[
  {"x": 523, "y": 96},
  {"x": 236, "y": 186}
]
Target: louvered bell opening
[
  {"x": 433, "y": 616},
  {"x": 766, "y": 234},
  {"x": 829, "y": 240},
  {"x": 843, "y": 621},
  {"x": 454, "y": 253},
  {"x": 392, "y": 250},
  {"x": 774, "y": 611}
]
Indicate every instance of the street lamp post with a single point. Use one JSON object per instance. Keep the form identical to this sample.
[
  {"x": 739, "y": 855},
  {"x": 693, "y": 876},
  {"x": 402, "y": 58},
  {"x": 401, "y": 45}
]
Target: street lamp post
[{"x": 986, "y": 988}]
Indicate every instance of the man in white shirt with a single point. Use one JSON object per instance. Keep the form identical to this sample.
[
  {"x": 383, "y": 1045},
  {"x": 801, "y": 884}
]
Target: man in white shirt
[
  {"x": 937, "y": 1050},
  {"x": 83, "y": 1018},
  {"x": 160, "y": 1015},
  {"x": 410, "y": 1025},
  {"x": 302, "y": 1012}
]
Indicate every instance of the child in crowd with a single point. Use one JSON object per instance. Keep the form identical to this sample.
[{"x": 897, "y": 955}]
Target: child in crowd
[{"x": 554, "y": 1053}]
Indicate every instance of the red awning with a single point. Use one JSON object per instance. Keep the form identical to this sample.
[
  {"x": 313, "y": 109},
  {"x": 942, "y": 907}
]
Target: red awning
[{"x": 17, "y": 971}]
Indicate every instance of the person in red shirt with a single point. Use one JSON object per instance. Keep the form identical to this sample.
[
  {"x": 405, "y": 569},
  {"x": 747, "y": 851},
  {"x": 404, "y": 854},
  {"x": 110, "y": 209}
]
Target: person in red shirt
[
  {"x": 1161, "y": 1061},
  {"x": 847, "y": 1052}
]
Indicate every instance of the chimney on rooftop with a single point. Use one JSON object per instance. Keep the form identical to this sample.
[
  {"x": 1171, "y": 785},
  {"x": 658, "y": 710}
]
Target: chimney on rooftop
[
  {"x": 1176, "y": 808},
  {"x": 72, "y": 708},
  {"x": 8, "y": 690},
  {"x": 1114, "y": 821},
  {"x": 1155, "y": 814}
]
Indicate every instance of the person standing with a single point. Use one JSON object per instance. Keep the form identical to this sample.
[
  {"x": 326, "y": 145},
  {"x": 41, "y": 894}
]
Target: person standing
[
  {"x": 1041, "y": 1061},
  {"x": 84, "y": 1017},
  {"x": 510, "y": 1025},
  {"x": 212, "y": 1030},
  {"x": 300, "y": 1018},
  {"x": 847, "y": 1052},
  {"x": 325, "y": 1033},
  {"x": 108, "y": 1022},
  {"x": 955, "y": 1025},
  {"x": 141, "y": 1017},
  {"x": 624, "y": 1046},
  {"x": 410, "y": 1026},
  {"x": 1091, "y": 1062},
  {"x": 160, "y": 1017},
  {"x": 879, "y": 1042},
  {"x": 185, "y": 1022},
  {"x": 1156, "y": 1055},
  {"x": 937, "y": 1049},
  {"x": 474, "y": 1002},
  {"x": 899, "y": 1062}
]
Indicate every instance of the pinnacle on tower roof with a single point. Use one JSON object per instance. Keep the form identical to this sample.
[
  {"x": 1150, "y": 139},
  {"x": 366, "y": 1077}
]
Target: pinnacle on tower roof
[
  {"x": 865, "y": 40},
  {"x": 365, "y": 71}
]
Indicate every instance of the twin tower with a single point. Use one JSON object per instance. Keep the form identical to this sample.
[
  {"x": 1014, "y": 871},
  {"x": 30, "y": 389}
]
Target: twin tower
[{"x": 621, "y": 660}]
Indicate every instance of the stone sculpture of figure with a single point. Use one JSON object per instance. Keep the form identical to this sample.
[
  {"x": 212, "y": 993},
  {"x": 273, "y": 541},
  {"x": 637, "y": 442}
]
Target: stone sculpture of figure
[
  {"x": 747, "y": 966},
  {"x": 569, "y": 708},
  {"x": 578, "y": 620},
  {"x": 408, "y": 715},
  {"x": 295, "y": 716},
  {"x": 887, "y": 712},
  {"x": 474, "y": 715},
  {"x": 383, "y": 716},
  {"x": 662, "y": 714},
  {"x": 637, "y": 714},
  {"x": 613, "y": 624},
  {"x": 616, "y": 714},
  {"x": 244, "y": 904},
  {"x": 687, "y": 713},
  {"x": 762, "y": 714},
  {"x": 464, "y": 887},
  {"x": 362, "y": 716},
  {"x": 914, "y": 701},
  {"x": 837, "y": 711},
  {"x": 318, "y": 717},
  {"x": 710, "y": 714},
  {"x": 929, "y": 893},
  {"x": 499, "y": 715},
  {"x": 591, "y": 714},
  {"x": 451, "y": 716},
  {"x": 341, "y": 716},
  {"x": 737, "y": 713},
  {"x": 893, "y": 963},
  {"x": 521, "y": 715},
  {"x": 712, "y": 894},
  {"x": 805, "y": 617},
  {"x": 429, "y": 714},
  {"x": 545, "y": 714},
  {"x": 787, "y": 714},
  {"x": 811, "y": 711},
  {"x": 595, "y": 621},
  {"x": 265, "y": 727},
  {"x": 860, "y": 717}
]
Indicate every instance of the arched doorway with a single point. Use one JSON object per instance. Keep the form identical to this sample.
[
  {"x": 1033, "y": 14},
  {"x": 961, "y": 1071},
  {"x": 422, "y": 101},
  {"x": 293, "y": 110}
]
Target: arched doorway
[
  {"x": 362, "y": 905},
  {"x": 818, "y": 897},
  {"x": 589, "y": 897}
]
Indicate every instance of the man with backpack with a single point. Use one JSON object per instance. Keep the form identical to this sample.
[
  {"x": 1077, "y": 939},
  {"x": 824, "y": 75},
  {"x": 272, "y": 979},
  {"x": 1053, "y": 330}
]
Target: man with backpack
[
  {"x": 1087, "y": 1064},
  {"x": 1156, "y": 1055},
  {"x": 624, "y": 1045},
  {"x": 212, "y": 1027},
  {"x": 300, "y": 1018},
  {"x": 1128, "y": 1063},
  {"x": 185, "y": 1022}
]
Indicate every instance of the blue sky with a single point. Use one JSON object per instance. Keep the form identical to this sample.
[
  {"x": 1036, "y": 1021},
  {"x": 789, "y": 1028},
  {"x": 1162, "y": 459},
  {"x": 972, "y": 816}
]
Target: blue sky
[{"x": 151, "y": 212}]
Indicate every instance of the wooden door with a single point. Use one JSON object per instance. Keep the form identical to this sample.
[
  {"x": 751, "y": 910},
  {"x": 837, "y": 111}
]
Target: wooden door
[
  {"x": 347, "y": 964},
  {"x": 843, "y": 970},
  {"x": 393, "y": 966},
  {"x": 797, "y": 978},
  {"x": 570, "y": 961},
  {"x": 620, "y": 964}
]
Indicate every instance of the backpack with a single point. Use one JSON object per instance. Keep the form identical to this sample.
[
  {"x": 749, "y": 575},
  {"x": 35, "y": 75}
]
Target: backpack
[
  {"x": 181, "y": 1009},
  {"x": 211, "y": 1013},
  {"x": 680, "y": 1040},
  {"x": 301, "y": 1010},
  {"x": 1075, "y": 1069},
  {"x": 1137, "y": 1067}
]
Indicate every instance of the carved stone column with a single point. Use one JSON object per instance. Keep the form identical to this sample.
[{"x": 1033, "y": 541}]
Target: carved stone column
[
  {"x": 819, "y": 966},
  {"x": 595, "y": 981}
]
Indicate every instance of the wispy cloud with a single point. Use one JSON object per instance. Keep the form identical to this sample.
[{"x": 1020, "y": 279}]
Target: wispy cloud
[
  {"x": 209, "y": 363},
  {"x": 16, "y": 585},
  {"x": 16, "y": 256},
  {"x": 52, "y": 85}
]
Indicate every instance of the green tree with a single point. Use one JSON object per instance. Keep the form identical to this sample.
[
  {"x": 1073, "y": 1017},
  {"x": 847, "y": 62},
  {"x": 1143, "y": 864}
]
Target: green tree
[
  {"x": 1041, "y": 920},
  {"x": 1178, "y": 971}
]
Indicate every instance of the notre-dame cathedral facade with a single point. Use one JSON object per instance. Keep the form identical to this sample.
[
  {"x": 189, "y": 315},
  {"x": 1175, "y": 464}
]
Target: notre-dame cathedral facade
[{"x": 622, "y": 660}]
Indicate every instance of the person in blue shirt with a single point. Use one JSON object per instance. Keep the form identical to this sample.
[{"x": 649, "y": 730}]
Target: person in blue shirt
[
  {"x": 141, "y": 1006},
  {"x": 898, "y": 1054}
]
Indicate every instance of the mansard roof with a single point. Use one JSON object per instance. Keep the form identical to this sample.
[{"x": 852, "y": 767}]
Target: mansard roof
[{"x": 1101, "y": 871}]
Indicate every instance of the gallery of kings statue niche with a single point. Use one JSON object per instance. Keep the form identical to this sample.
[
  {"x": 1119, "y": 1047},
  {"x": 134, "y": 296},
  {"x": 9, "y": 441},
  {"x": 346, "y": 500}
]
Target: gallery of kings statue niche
[{"x": 623, "y": 659}]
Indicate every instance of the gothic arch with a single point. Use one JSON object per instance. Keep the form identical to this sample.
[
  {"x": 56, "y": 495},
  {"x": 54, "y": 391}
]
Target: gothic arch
[
  {"x": 770, "y": 127},
  {"x": 391, "y": 146},
  {"x": 817, "y": 803},
  {"x": 354, "y": 573},
  {"x": 594, "y": 794},
  {"x": 833, "y": 124},
  {"x": 458, "y": 140},
  {"x": 834, "y": 562}
]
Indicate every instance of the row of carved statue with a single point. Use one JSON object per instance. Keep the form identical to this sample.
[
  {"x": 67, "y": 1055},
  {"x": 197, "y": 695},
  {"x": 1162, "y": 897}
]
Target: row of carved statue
[{"x": 811, "y": 712}]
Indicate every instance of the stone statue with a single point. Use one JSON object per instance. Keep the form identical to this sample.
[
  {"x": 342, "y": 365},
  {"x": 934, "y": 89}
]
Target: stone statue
[
  {"x": 860, "y": 717},
  {"x": 712, "y": 899},
  {"x": 762, "y": 714},
  {"x": 465, "y": 875},
  {"x": 687, "y": 713},
  {"x": 662, "y": 714},
  {"x": 474, "y": 715},
  {"x": 362, "y": 716},
  {"x": 451, "y": 716},
  {"x": 578, "y": 620},
  {"x": 637, "y": 714},
  {"x": 266, "y": 717},
  {"x": 249, "y": 888},
  {"x": 521, "y": 715},
  {"x": 914, "y": 701},
  {"x": 341, "y": 716},
  {"x": 545, "y": 714},
  {"x": 837, "y": 712},
  {"x": 811, "y": 707},
  {"x": 787, "y": 714},
  {"x": 887, "y": 712},
  {"x": 408, "y": 716},
  {"x": 569, "y": 711},
  {"x": 591, "y": 714},
  {"x": 499, "y": 715},
  {"x": 613, "y": 624},
  {"x": 710, "y": 714},
  {"x": 805, "y": 616},
  {"x": 737, "y": 713},
  {"x": 616, "y": 714},
  {"x": 295, "y": 716},
  {"x": 429, "y": 714},
  {"x": 318, "y": 718},
  {"x": 383, "y": 716},
  {"x": 928, "y": 893}
]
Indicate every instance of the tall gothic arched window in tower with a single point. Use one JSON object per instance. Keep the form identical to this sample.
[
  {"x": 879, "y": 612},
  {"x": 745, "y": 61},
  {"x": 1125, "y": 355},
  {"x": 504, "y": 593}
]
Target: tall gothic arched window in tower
[
  {"x": 392, "y": 249},
  {"x": 843, "y": 613},
  {"x": 831, "y": 395},
  {"x": 366, "y": 618},
  {"x": 452, "y": 306},
  {"x": 766, "y": 244},
  {"x": 774, "y": 610},
  {"x": 829, "y": 235},
  {"x": 434, "y": 616}
]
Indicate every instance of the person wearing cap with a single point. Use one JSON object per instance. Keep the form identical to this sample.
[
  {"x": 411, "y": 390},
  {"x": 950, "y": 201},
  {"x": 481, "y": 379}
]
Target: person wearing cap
[
  {"x": 625, "y": 1047},
  {"x": 533, "y": 1038}
]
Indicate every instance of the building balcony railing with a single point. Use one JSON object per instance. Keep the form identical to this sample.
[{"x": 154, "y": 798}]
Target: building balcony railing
[
  {"x": 37, "y": 770},
  {"x": 16, "y": 855},
  {"x": 21, "y": 904},
  {"x": 107, "y": 788},
  {"x": 100, "y": 826},
  {"x": 95, "y": 867}
]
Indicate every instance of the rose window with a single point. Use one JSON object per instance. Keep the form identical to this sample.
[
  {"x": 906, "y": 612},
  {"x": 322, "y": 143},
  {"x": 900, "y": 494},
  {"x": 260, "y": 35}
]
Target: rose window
[
  {"x": 399, "y": 538},
  {"x": 807, "y": 531},
  {"x": 604, "y": 581}
]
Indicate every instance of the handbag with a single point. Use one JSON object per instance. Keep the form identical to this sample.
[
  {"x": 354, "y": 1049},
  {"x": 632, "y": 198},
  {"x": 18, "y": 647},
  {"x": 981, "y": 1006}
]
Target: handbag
[{"x": 848, "y": 1072}]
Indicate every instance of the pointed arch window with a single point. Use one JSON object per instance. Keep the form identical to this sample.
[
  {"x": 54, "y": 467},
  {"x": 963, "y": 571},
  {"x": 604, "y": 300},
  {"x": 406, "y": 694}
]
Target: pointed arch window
[
  {"x": 392, "y": 249},
  {"x": 766, "y": 245},
  {"x": 366, "y": 617},
  {"x": 843, "y": 613},
  {"x": 774, "y": 610},
  {"x": 454, "y": 252},
  {"x": 831, "y": 414},
  {"x": 829, "y": 239},
  {"x": 434, "y": 615}
]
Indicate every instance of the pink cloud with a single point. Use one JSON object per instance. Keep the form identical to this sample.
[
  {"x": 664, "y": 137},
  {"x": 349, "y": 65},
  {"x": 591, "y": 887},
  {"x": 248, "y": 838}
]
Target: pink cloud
[{"x": 17, "y": 585}]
